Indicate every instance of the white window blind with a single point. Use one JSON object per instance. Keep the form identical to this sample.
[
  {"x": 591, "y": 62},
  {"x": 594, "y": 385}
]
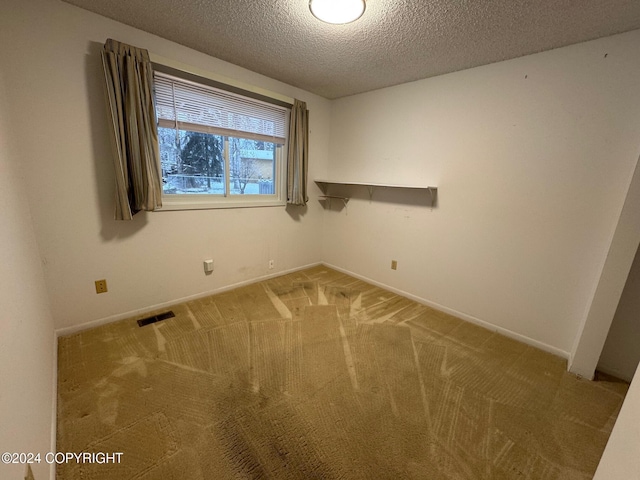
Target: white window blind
[{"x": 186, "y": 105}]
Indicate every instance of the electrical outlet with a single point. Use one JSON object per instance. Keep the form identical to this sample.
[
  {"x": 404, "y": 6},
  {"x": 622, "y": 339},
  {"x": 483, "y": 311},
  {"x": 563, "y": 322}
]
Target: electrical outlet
[
  {"x": 208, "y": 266},
  {"x": 270, "y": 264},
  {"x": 101, "y": 286},
  {"x": 394, "y": 265}
]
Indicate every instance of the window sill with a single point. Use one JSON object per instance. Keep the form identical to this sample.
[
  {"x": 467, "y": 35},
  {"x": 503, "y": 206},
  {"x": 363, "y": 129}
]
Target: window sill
[{"x": 191, "y": 203}]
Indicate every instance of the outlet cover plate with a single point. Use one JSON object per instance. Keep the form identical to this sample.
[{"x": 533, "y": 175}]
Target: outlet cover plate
[{"x": 101, "y": 286}]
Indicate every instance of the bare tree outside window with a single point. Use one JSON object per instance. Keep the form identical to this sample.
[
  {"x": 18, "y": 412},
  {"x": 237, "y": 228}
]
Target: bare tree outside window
[{"x": 243, "y": 170}]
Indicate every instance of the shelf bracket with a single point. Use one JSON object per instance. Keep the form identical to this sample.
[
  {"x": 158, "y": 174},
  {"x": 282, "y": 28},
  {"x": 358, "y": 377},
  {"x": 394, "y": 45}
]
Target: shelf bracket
[
  {"x": 328, "y": 199},
  {"x": 370, "y": 188},
  {"x": 432, "y": 194}
]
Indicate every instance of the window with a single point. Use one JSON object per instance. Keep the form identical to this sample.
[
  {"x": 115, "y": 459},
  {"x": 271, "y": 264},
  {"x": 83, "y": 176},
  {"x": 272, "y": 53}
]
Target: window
[{"x": 218, "y": 148}]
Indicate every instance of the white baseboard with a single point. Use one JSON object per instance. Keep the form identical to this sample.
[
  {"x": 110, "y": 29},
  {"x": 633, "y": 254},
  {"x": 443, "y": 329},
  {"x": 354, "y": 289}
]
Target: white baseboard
[
  {"x": 64, "y": 331},
  {"x": 615, "y": 372},
  {"x": 469, "y": 318},
  {"x": 587, "y": 374}
]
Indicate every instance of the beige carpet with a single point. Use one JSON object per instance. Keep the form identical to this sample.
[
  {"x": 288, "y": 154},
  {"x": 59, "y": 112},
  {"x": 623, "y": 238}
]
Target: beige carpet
[{"x": 317, "y": 375}]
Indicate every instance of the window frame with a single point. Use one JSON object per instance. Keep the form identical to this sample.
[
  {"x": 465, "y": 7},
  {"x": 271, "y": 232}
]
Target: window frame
[{"x": 172, "y": 202}]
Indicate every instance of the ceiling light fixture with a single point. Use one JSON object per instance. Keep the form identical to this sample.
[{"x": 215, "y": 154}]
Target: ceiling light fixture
[{"x": 337, "y": 11}]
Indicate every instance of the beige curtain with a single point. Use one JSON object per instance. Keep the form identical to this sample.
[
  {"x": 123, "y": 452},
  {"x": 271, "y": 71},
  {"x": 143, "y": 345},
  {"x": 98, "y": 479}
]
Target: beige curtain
[
  {"x": 298, "y": 154},
  {"x": 129, "y": 88}
]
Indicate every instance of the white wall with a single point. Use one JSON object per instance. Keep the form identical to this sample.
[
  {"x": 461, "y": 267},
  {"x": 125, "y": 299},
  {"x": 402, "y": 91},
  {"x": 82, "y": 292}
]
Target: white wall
[
  {"x": 533, "y": 158},
  {"x": 50, "y": 53},
  {"x": 26, "y": 326},
  {"x": 621, "y": 352},
  {"x": 620, "y": 459},
  {"x": 625, "y": 239}
]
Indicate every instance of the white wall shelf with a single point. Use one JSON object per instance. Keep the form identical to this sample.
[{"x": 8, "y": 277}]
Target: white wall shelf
[{"x": 324, "y": 186}]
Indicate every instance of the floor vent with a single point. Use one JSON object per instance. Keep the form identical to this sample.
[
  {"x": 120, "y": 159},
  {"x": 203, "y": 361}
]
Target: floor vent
[{"x": 155, "y": 318}]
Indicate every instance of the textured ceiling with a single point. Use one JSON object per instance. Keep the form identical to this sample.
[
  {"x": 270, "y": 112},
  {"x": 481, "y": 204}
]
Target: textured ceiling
[{"x": 395, "y": 41}]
